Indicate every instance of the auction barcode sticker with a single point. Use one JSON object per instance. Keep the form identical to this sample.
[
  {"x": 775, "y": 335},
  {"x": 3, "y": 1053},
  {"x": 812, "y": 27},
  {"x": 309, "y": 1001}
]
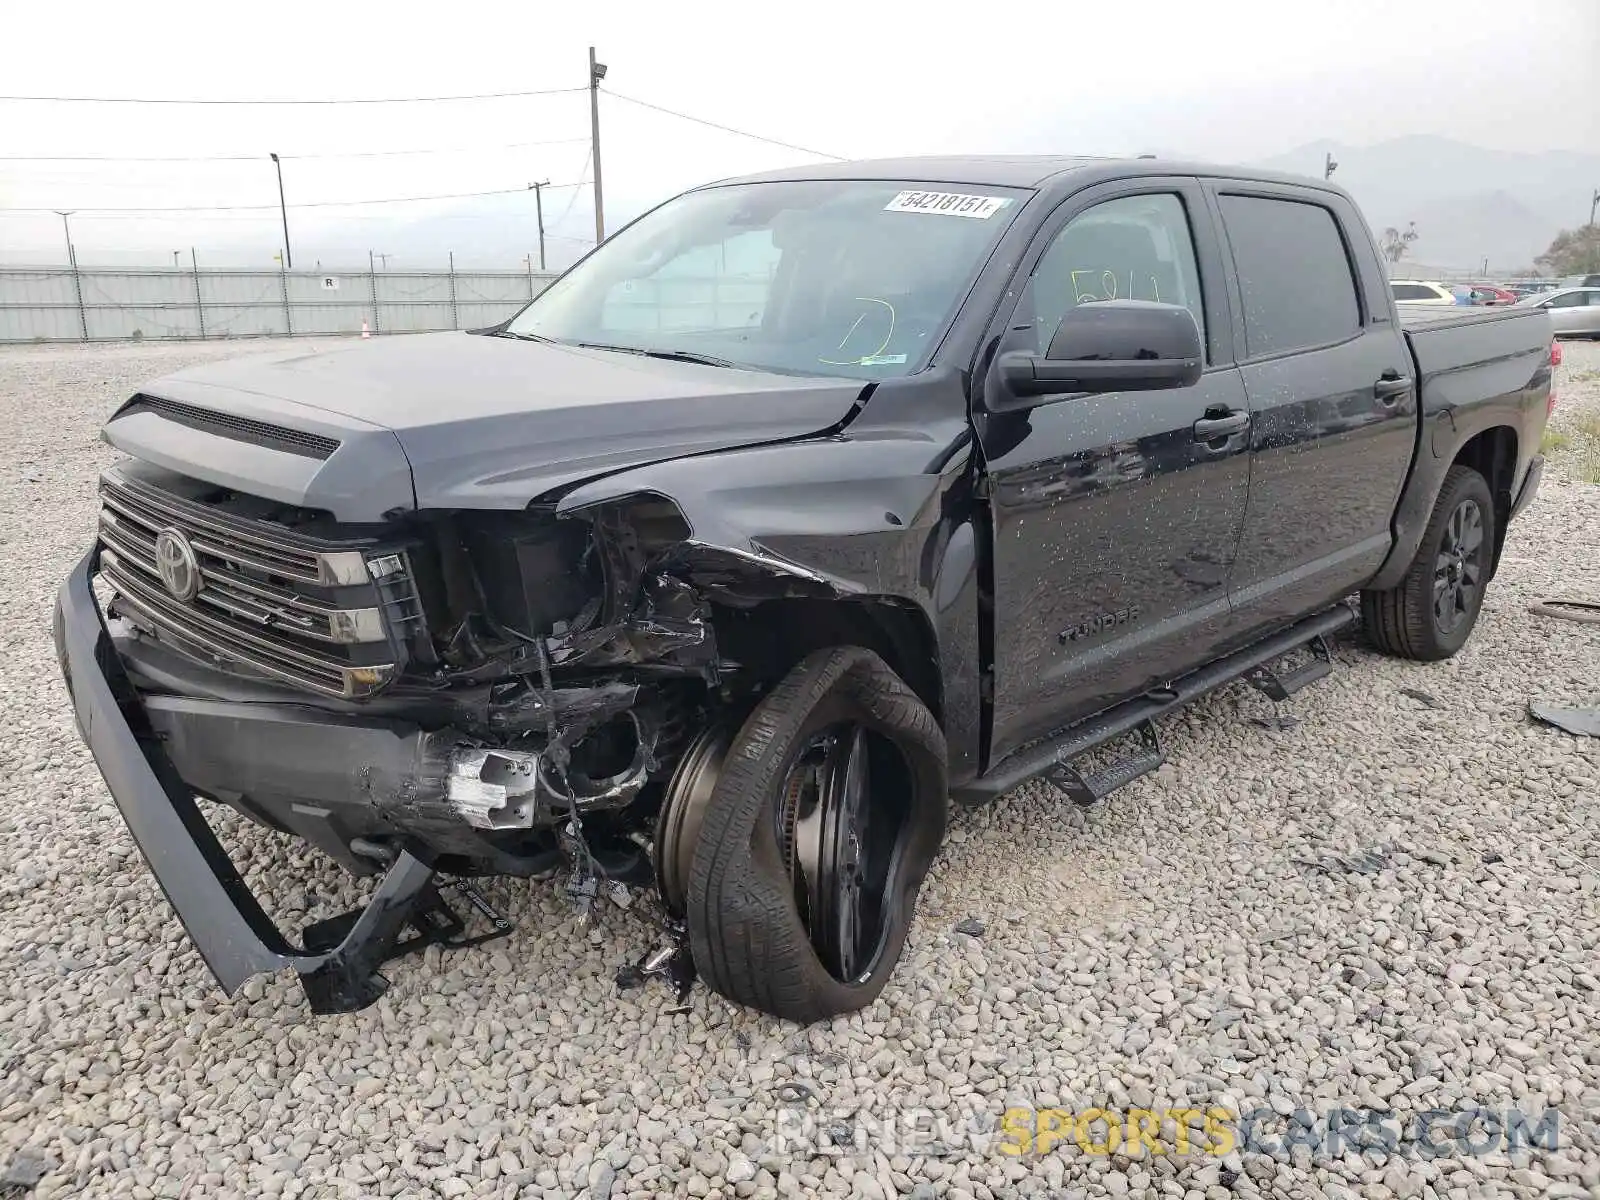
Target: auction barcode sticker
[{"x": 949, "y": 204}]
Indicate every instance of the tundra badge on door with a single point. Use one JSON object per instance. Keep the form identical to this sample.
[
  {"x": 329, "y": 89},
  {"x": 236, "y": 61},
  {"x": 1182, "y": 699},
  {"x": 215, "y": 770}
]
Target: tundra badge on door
[{"x": 1099, "y": 623}]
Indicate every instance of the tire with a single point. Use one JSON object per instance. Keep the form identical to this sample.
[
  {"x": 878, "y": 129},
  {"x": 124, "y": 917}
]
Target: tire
[
  {"x": 1404, "y": 620},
  {"x": 747, "y": 933}
]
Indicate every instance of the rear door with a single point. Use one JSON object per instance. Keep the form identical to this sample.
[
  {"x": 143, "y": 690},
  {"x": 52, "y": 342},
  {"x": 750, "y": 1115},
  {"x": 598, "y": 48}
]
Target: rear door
[
  {"x": 1333, "y": 403},
  {"x": 1114, "y": 516}
]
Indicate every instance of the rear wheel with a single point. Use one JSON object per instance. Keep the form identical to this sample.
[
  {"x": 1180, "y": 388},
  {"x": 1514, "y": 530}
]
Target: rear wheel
[
  {"x": 810, "y": 845},
  {"x": 1431, "y": 612}
]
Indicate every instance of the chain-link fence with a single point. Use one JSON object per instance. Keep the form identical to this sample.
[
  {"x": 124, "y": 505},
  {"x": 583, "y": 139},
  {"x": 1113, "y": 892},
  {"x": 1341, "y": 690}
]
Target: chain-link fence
[{"x": 103, "y": 304}]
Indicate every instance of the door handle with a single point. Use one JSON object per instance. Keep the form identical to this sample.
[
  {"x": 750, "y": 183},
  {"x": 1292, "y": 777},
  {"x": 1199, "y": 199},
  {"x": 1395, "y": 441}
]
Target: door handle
[
  {"x": 1209, "y": 429},
  {"x": 1390, "y": 387}
]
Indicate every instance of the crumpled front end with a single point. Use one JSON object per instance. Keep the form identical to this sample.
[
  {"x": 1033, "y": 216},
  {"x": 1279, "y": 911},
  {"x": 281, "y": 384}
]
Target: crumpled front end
[
  {"x": 463, "y": 692},
  {"x": 471, "y": 680},
  {"x": 468, "y": 693}
]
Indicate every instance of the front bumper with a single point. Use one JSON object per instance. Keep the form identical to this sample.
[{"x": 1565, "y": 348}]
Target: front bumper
[{"x": 234, "y": 935}]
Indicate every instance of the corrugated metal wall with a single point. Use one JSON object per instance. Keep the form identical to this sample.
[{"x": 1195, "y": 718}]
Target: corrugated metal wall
[{"x": 104, "y": 304}]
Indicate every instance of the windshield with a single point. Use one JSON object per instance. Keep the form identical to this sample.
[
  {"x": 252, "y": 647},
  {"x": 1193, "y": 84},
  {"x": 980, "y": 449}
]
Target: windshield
[{"x": 854, "y": 278}]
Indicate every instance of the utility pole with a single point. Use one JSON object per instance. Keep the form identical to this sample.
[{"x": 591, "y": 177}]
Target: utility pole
[
  {"x": 199, "y": 298},
  {"x": 385, "y": 258},
  {"x": 283, "y": 211},
  {"x": 597, "y": 72},
  {"x": 1329, "y": 166},
  {"x": 1594, "y": 203},
  {"x": 538, "y": 205},
  {"x": 72, "y": 255},
  {"x": 77, "y": 280}
]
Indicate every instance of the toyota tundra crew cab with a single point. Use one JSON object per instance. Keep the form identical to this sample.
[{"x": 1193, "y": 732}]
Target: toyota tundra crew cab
[{"x": 804, "y": 505}]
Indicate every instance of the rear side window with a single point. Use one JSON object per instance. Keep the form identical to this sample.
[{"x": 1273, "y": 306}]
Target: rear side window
[
  {"x": 1413, "y": 291},
  {"x": 1294, "y": 274}
]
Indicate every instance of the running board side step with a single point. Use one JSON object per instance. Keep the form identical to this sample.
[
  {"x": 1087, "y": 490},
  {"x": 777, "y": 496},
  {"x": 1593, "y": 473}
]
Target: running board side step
[
  {"x": 1054, "y": 756},
  {"x": 1277, "y": 688},
  {"x": 1088, "y": 790}
]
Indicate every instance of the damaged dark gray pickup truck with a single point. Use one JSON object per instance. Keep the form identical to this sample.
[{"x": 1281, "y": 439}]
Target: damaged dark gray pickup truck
[{"x": 803, "y": 504}]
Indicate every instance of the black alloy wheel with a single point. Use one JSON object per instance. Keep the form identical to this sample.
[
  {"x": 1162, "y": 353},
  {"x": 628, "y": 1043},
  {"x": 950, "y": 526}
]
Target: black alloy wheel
[
  {"x": 1458, "y": 567},
  {"x": 837, "y": 846},
  {"x": 1431, "y": 612},
  {"x": 808, "y": 852}
]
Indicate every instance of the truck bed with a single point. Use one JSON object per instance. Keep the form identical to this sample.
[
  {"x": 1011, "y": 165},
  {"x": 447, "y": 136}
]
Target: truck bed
[{"x": 1505, "y": 340}]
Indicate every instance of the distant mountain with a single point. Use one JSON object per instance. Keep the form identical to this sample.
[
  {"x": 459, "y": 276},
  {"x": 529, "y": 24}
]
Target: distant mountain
[{"x": 1469, "y": 203}]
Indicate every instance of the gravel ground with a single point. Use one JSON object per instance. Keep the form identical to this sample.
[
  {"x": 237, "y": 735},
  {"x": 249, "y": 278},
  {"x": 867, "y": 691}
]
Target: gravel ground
[{"x": 1393, "y": 904}]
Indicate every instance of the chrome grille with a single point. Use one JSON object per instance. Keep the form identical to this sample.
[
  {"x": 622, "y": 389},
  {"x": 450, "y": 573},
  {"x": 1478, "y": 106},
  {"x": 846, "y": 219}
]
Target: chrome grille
[{"x": 295, "y": 611}]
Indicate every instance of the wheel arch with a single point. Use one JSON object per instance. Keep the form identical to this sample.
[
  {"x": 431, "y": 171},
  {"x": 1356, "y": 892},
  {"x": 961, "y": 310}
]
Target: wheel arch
[
  {"x": 1491, "y": 449},
  {"x": 1492, "y": 453},
  {"x": 787, "y": 630},
  {"x": 823, "y": 542}
]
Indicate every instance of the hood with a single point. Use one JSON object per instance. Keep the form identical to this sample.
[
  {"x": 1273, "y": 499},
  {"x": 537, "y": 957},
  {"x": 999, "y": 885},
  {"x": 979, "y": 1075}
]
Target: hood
[{"x": 455, "y": 420}]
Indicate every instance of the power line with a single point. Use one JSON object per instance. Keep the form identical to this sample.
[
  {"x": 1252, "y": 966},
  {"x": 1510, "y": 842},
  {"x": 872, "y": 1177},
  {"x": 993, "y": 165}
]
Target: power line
[
  {"x": 725, "y": 128},
  {"x": 285, "y": 157},
  {"x": 202, "y": 208},
  {"x": 583, "y": 178},
  {"x": 276, "y": 101}
]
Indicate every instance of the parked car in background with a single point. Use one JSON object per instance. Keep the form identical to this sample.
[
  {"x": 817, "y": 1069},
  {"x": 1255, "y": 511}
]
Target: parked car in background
[
  {"x": 1574, "y": 312},
  {"x": 1492, "y": 293},
  {"x": 1416, "y": 291}
]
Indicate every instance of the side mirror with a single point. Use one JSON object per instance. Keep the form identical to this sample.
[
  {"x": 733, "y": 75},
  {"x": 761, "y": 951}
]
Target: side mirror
[{"x": 1107, "y": 346}]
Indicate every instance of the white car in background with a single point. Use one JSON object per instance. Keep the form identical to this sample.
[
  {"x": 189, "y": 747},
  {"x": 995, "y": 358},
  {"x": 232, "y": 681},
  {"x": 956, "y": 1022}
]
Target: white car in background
[
  {"x": 1417, "y": 291},
  {"x": 1574, "y": 311}
]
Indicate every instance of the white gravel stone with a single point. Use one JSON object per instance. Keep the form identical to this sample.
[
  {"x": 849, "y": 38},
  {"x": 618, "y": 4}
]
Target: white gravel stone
[{"x": 1391, "y": 903}]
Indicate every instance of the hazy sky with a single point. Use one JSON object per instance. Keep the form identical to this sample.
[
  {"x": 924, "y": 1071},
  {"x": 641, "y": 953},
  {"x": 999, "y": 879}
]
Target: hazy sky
[{"x": 1224, "y": 79}]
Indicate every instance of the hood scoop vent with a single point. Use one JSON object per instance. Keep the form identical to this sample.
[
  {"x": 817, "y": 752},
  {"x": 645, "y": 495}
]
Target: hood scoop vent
[{"x": 239, "y": 429}]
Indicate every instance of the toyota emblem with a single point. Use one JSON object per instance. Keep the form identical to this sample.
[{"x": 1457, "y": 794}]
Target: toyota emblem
[{"x": 178, "y": 567}]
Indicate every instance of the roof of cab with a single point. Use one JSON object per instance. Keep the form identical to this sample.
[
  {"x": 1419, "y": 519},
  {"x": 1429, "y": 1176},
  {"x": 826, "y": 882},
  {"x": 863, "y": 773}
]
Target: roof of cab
[{"x": 1014, "y": 170}]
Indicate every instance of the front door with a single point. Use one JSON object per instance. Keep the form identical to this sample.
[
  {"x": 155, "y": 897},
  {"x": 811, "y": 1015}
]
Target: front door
[{"x": 1115, "y": 517}]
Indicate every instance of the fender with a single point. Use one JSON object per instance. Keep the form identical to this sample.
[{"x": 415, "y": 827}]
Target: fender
[
  {"x": 847, "y": 517},
  {"x": 1461, "y": 400}
]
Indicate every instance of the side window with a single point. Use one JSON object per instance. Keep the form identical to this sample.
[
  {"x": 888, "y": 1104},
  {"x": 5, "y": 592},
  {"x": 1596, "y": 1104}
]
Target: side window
[
  {"x": 1412, "y": 291},
  {"x": 720, "y": 286},
  {"x": 1294, "y": 274},
  {"x": 1130, "y": 248},
  {"x": 1570, "y": 300}
]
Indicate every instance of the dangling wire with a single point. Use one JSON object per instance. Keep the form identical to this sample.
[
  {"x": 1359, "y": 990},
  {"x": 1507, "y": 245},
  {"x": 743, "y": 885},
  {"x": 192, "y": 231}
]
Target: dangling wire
[{"x": 586, "y": 870}]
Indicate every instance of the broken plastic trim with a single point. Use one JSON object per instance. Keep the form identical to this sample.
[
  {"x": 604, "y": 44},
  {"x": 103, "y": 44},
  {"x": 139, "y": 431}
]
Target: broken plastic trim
[{"x": 492, "y": 788}]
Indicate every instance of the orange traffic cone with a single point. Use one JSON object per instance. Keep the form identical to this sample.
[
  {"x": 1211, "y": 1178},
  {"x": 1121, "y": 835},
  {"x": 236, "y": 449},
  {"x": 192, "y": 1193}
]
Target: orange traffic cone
[{"x": 365, "y": 332}]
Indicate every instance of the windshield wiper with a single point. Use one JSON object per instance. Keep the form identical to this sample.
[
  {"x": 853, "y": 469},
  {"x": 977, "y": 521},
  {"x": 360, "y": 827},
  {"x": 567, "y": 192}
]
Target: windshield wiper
[
  {"x": 691, "y": 356},
  {"x": 688, "y": 356},
  {"x": 526, "y": 337}
]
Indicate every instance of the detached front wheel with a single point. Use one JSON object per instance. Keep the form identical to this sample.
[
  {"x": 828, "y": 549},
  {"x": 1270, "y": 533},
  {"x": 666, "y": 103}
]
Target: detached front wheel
[{"x": 809, "y": 848}]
